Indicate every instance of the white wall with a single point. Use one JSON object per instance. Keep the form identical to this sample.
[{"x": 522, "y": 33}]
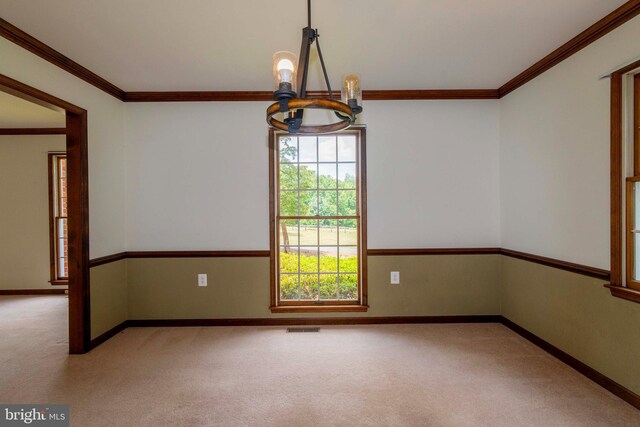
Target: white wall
[
  {"x": 554, "y": 150},
  {"x": 433, "y": 167},
  {"x": 197, "y": 175},
  {"x": 433, "y": 174},
  {"x": 106, "y": 144},
  {"x": 438, "y": 168}
]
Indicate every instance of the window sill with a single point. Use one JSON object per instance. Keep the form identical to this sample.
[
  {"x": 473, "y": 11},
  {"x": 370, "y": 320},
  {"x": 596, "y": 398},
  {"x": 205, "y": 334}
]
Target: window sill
[
  {"x": 318, "y": 308},
  {"x": 59, "y": 282},
  {"x": 624, "y": 293}
]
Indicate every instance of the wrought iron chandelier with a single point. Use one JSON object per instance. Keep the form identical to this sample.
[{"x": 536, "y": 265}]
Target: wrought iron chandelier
[{"x": 292, "y": 100}]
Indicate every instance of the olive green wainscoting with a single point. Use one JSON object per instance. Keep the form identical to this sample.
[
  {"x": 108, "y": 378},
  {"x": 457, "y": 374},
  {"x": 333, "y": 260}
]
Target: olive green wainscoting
[
  {"x": 431, "y": 285},
  {"x": 109, "y": 297},
  {"x": 577, "y": 314}
]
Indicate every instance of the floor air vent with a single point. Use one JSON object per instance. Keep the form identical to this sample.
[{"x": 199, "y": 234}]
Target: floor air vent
[{"x": 303, "y": 329}]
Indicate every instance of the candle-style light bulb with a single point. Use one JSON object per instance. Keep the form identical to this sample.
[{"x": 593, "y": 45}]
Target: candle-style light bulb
[{"x": 352, "y": 92}]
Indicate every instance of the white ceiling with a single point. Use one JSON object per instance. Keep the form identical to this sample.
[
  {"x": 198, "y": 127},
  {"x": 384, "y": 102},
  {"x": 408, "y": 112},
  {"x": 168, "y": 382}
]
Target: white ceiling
[
  {"x": 17, "y": 113},
  {"x": 147, "y": 45}
]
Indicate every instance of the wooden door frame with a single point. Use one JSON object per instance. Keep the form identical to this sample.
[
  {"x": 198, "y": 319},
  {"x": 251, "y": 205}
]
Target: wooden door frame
[{"x": 78, "y": 209}]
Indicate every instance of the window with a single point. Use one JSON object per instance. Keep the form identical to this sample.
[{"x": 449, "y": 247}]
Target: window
[
  {"x": 58, "y": 218},
  {"x": 318, "y": 222},
  {"x": 632, "y": 199},
  {"x": 625, "y": 183}
]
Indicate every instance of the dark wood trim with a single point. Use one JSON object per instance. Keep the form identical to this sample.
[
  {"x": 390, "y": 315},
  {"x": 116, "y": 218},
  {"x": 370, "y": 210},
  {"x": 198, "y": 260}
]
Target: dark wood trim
[
  {"x": 595, "y": 376},
  {"x": 630, "y": 236},
  {"x": 267, "y": 253},
  {"x": 367, "y": 95},
  {"x": 179, "y": 254},
  {"x": 53, "y": 181},
  {"x": 433, "y": 251},
  {"x": 109, "y": 334},
  {"x": 364, "y": 270},
  {"x": 328, "y": 308},
  {"x": 631, "y": 219},
  {"x": 305, "y": 321},
  {"x": 549, "y": 262},
  {"x": 636, "y": 124},
  {"x": 624, "y": 293},
  {"x": 52, "y": 231},
  {"x": 62, "y": 282},
  {"x": 78, "y": 233},
  {"x": 33, "y": 131},
  {"x": 597, "y": 273},
  {"x": 78, "y": 209},
  {"x": 627, "y": 68},
  {"x": 272, "y": 219},
  {"x": 617, "y": 220},
  {"x": 50, "y": 291},
  {"x": 29, "y": 93},
  {"x": 616, "y": 179},
  {"x": 107, "y": 259},
  {"x": 607, "y": 24},
  {"x": 35, "y": 46},
  {"x": 197, "y": 254}
]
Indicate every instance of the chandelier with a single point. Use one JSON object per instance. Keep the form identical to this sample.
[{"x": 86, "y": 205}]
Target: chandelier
[{"x": 291, "y": 99}]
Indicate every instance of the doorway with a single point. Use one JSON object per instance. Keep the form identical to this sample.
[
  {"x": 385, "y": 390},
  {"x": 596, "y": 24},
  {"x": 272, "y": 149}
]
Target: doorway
[{"x": 75, "y": 131}]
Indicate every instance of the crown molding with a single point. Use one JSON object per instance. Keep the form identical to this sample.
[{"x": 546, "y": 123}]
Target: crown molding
[
  {"x": 213, "y": 96},
  {"x": 604, "y": 26},
  {"x": 35, "y": 46},
  {"x": 367, "y": 95},
  {"x": 607, "y": 24}
]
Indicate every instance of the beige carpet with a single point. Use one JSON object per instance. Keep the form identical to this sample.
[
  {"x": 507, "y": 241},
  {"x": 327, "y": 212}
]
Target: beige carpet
[{"x": 405, "y": 375}]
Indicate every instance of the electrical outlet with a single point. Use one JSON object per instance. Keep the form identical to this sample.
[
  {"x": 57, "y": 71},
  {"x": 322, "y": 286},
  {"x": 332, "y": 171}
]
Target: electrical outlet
[
  {"x": 202, "y": 280},
  {"x": 395, "y": 277}
]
